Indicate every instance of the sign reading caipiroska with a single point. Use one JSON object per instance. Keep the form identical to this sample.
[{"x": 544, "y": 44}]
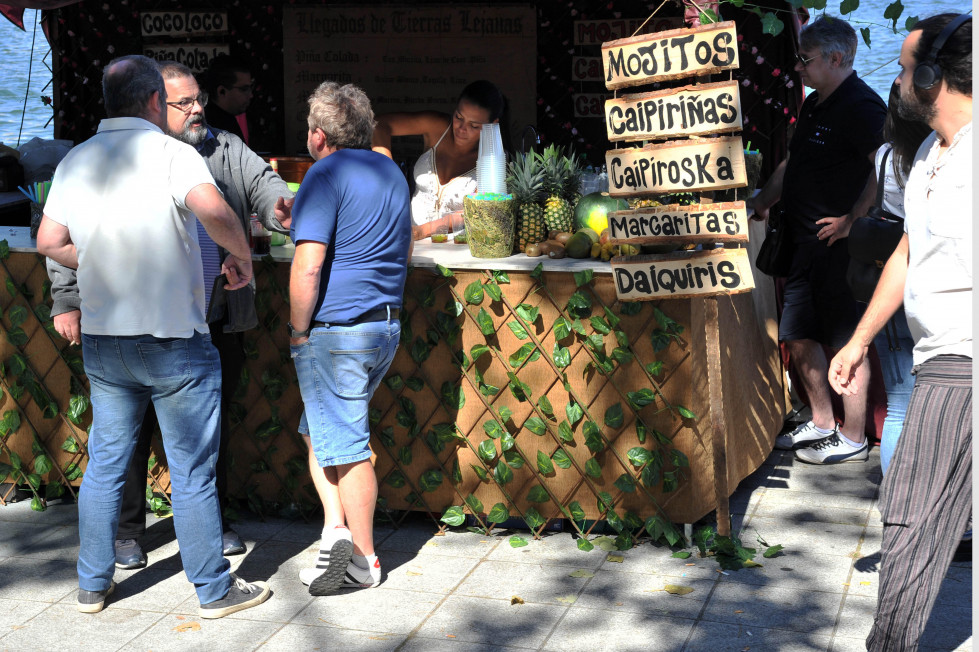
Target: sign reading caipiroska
[
  {"x": 673, "y": 54},
  {"x": 688, "y": 111},
  {"x": 679, "y": 166},
  {"x": 699, "y": 273},
  {"x": 697, "y": 223}
]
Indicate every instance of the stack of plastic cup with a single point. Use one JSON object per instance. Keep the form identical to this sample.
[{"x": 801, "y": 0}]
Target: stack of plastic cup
[{"x": 491, "y": 161}]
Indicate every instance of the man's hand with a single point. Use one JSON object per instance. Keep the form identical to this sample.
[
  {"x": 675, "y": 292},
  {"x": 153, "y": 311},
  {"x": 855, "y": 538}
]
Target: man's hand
[
  {"x": 69, "y": 326},
  {"x": 283, "y": 211},
  {"x": 758, "y": 213},
  {"x": 238, "y": 271},
  {"x": 834, "y": 228},
  {"x": 842, "y": 369}
]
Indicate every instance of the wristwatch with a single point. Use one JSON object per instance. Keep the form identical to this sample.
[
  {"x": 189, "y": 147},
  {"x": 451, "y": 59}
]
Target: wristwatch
[{"x": 293, "y": 333}]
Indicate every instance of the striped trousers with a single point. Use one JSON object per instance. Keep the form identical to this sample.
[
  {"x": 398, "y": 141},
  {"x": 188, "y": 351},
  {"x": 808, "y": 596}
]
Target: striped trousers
[{"x": 925, "y": 502}]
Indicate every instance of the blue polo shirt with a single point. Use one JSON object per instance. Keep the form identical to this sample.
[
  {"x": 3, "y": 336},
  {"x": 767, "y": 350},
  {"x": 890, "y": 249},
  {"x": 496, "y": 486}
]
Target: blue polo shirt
[{"x": 357, "y": 202}]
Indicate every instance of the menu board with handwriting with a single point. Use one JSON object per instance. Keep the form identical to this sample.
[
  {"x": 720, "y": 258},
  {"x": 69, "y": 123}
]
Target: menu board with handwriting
[{"x": 408, "y": 57}]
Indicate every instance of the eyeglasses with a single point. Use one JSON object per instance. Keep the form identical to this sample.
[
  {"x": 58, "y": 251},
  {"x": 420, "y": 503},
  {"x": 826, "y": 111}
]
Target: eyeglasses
[
  {"x": 187, "y": 104},
  {"x": 246, "y": 88},
  {"x": 801, "y": 59}
]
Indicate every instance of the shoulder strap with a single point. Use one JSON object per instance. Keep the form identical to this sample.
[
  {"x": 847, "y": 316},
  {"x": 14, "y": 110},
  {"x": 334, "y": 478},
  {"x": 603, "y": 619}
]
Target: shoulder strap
[{"x": 880, "y": 180}]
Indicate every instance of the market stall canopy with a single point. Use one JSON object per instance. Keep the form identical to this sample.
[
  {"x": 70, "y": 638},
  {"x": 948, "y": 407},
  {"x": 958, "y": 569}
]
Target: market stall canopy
[{"x": 14, "y": 11}]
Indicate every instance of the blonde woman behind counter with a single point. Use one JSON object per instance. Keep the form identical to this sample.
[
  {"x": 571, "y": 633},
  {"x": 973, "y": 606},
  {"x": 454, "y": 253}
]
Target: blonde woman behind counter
[{"x": 446, "y": 171}]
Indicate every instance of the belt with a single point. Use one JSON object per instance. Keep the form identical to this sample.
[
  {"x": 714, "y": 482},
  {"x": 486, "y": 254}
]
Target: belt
[{"x": 381, "y": 314}]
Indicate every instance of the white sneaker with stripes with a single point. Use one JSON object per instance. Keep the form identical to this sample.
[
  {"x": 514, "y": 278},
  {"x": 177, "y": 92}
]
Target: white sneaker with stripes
[
  {"x": 362, "y": 578},
  {"x": 336, "y": 548}
]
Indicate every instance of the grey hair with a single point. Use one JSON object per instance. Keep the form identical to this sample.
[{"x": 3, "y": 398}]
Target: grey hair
[
  {"x": 174, "y": 70},
  {"x": 831, "y": 35},
  {"x": 344, "y": 115},
  {"x": 128, "y": 82}
]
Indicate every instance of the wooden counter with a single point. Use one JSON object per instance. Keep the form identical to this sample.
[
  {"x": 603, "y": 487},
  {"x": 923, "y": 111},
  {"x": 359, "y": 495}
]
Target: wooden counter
[{"x": 538, "y": 393}]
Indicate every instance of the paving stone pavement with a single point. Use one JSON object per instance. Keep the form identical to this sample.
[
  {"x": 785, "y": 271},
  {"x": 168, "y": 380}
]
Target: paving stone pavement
[{"x": 454, "y": 593}]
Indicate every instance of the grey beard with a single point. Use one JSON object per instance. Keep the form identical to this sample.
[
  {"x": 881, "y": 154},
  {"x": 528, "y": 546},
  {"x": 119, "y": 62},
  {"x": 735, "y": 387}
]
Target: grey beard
[{"x": 191, "y": 136}]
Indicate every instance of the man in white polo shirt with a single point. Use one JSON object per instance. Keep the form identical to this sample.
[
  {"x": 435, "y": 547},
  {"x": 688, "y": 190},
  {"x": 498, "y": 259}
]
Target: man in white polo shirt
[{"x": 121, "y": 211}]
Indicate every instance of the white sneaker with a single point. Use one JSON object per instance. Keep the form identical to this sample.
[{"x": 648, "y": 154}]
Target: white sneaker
[
  {"x": 335, "y": 551},
  {"x": 362, "y": 578},
  {"x": 802, "y": 436},
  {"x": 832, "y": 450}
]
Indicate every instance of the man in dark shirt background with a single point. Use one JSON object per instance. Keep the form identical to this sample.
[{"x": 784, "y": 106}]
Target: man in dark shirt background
[
  {"x": 830, "y": 156},
  {"x": 229, "y": 86}
]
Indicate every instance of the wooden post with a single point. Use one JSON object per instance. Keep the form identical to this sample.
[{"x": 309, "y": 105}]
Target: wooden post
[{"x": 717, "y": 420}]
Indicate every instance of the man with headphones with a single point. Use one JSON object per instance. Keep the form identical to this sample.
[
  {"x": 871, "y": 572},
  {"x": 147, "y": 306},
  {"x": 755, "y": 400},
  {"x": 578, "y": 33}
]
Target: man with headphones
[{"x": 926, "y": 496}]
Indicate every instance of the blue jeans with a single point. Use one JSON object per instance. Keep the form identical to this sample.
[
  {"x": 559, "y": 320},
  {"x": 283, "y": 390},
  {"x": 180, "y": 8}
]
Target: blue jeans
[
  {"x": 894, "y": 346},
  {"x": 182, "y": 377},
  {"x": 338, "y": 368}
]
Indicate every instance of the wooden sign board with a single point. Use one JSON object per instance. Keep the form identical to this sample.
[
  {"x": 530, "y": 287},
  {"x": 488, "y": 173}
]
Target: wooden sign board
[
  {"x": 196, "y": 56},
  {"x": 697, "y": 223},
  {"x": 673, "y": 54},
  {"x": 182, "y": 23},
  {"x": 676, "y": 166},
  {"x": 673, "y": 276},
  {"x": 689, "y": 111}
]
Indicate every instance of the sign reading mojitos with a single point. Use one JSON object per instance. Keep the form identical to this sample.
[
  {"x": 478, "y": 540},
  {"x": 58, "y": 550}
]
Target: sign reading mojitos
[{"x": 673, "y": 54}]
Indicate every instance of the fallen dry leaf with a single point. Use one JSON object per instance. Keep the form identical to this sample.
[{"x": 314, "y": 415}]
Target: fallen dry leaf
[
  {"x": 411, "y": 572},
  {"x": 567, "y": 599},
  {"x": 739, "y": 611},
  {"x": 615, "y": 558},
  {"x": 582, "y": 573},
  {"x": 690, "y": 564},
  {"x": 678, "y": 589},
  {"x": 187, "y": 627},
  {"x": 865, "y": 583},
  {"x": 516, "y": 600},
  {"x": 450, "y": 636}
]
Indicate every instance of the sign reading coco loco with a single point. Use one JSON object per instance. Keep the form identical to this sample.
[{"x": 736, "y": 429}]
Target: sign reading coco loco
[
  {"x": 680, "y": 166},
  {"x": 689, "y": 111},
  {"x": 727, "y": 222},
  {"x": 183, "y": 23},
  {"x": 673, "y": 54},
  {"x": 700, "y": 273}
]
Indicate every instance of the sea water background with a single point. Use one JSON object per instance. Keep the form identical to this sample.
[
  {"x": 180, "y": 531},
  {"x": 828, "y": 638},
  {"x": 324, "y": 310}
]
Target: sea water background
[{"x": 876, "y": 64}]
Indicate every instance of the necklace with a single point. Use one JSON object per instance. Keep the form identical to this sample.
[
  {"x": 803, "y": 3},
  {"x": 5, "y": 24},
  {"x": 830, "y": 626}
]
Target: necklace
[{"x": 936, "y": 164}]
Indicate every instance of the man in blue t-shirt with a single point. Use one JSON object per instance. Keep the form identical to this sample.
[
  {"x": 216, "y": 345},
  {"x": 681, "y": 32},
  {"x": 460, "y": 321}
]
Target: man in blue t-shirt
[{"x": 352, "y": 229}]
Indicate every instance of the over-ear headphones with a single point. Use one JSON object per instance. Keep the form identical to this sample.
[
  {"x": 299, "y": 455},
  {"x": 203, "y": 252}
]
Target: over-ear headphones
[{"x": 928, "y": 73}]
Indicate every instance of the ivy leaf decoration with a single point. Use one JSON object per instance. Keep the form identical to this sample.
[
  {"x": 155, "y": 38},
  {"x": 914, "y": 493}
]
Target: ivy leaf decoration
[
  {"x": 485, "y": 322},
  {"x": 538, "y": 494},
  {"x": 430, "y": 480},
  {"x": 535, "y": 425},
  {"x": 625, "y": 483},
  {"x": 17, "y": 315},
  {"x": 642, "y": 398},
  {"x": 526, "y": 353},
  {"x": 579, "y": 304},
  {"x": 561, "y": 459},
  {"x": 453, "y": 395},
  {"x": 486, "y": 450},
  {"x": 494, "y": 291},
  {"x": 454, "y": 516},
  {"x": 518, "y": 330},
  {"x": 444, "y": 271},
  {"x": 507, "y": 441},
  {"x": 639, "y": 456},
  {"x": 565, "y": 433},
  {"x": 614, "y": 416},
  {"x": 544, "y": 404},
  {"x": 538, "y": 272},
  {"x": 493, "y": 429},
  {"x": 574, "y": 412},
  {"x": 679, "y": 459},
  {"x": 593, "y": 437},
  {"x": 474, "y": 504},
  {"x": 592, "y": 468},
  {"x": 599, "y": 325},
  {"x": 533, "y": 518},
  {"x": 69, "y": 445},
  {"x": 498, "y": 514},
  {"x": 685, "y": 413},
  {"x": 562, "y": 356},
  {"x": 544, "y": 464},
  {"x": 513, "y": 458},
  {"x": 480, "y": 471},
  {"x": 474, "y": 293},
  {"x": 562, "y": 328},
  {"x": 502, "y": 473},
  {"x": 893, "y": 12},
  {"x": 528, "y": 312},
  {"x": 584, "y": 277},
  {"x": 77, "y": 405}
]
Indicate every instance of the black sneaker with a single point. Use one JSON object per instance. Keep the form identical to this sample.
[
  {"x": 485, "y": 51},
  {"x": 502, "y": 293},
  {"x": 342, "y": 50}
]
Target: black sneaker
[
  {"x": 241, "y": 595},
  {"x": 91, "y": 602},
  {"x": 129, "y": 555}
]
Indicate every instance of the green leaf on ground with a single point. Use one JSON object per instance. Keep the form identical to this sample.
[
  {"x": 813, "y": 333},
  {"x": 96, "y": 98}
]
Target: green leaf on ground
[
  {"x": 517, "y": 542},
  {"x": 681, "y": 554},
  {"x": 582, "y": 572},
  {"x": 678, "y": 589},
  {"x": 772, "y": 551},
  {"x": 585, "y": 545},
  {"x": 605, "y": 543}
]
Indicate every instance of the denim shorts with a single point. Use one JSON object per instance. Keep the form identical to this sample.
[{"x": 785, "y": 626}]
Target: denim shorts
[{"x": 339, "y": 367}]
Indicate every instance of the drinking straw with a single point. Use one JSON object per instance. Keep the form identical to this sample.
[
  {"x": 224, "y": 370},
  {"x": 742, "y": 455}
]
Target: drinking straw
[{"x": 27, "y": 194}]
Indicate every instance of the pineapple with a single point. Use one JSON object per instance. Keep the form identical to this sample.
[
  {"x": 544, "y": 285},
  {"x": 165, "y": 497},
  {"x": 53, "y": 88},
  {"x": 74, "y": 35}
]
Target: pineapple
[
  {"x": 558, "y": 211},
  {"x": 572, "y": 182},
  {"x": 525, "y": 181}
]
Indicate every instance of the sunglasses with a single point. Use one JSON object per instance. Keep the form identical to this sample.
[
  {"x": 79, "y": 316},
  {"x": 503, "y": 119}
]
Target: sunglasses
[
  {"x": 186, "y": 105},
  {"x": 801, "y": 59}
]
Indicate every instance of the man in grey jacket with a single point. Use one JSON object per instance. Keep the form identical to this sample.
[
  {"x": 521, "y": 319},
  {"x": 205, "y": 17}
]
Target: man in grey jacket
[{"x": 249, "y": 185}]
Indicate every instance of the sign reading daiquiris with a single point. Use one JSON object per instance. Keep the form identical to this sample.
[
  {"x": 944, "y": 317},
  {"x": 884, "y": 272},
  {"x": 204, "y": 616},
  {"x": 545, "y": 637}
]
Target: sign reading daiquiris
[
  {"x": 700, "y": 273},
  {"x": 673, "y": 54}
]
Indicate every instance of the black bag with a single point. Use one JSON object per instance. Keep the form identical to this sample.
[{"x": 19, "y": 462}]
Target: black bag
[
  {"x": 871, "y": 242},
  {"x": 776, "y": 251}
]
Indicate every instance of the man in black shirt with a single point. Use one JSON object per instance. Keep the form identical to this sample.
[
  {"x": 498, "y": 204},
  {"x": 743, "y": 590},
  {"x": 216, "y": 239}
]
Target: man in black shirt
[
  {"x": 229, "y": 86},
  {"x": 830, "y": 157}
]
